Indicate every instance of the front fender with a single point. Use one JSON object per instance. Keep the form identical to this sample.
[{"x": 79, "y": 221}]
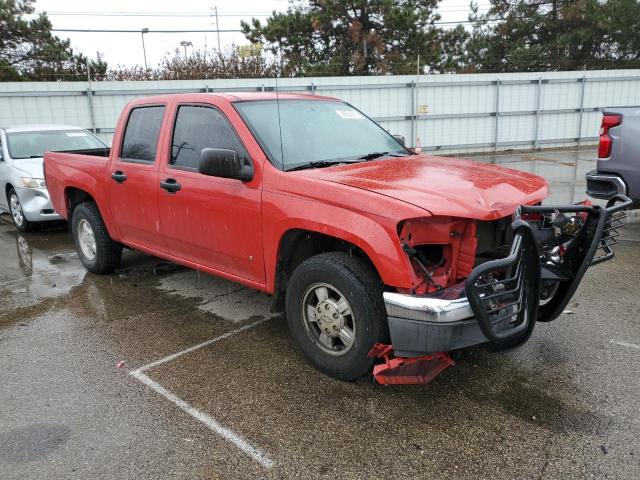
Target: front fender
[{"x": 375, "y": 235}]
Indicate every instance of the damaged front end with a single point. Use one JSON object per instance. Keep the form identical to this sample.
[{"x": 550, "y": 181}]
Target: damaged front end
[{"x": 489, "y": 282}]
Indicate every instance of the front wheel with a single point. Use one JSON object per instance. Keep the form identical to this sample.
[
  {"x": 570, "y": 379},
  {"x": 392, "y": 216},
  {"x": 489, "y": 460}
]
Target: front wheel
[
  {"x": 97, "y": 251},
  {"x": 336, "y": 313}
]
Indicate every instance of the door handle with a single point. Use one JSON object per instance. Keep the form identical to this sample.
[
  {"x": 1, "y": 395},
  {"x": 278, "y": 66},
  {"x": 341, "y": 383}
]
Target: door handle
[
  {"x": 170, "y": 185},
  {"x": 119, "y": 176}
]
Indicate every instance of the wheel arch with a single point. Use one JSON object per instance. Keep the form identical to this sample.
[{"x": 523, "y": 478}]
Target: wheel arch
[
  {"x": 7, "y": 188},
  {"x": 74, "y": 196},
  {"x": 298, "y": 244}
]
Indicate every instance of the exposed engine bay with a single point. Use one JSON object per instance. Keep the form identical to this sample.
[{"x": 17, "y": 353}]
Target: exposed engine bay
[{"x": 443, "y": 251}]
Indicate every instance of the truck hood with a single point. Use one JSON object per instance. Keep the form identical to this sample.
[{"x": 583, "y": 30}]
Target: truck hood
[
  {"x": 442, "y": 186},
  {"x": 32, "y": 167}
]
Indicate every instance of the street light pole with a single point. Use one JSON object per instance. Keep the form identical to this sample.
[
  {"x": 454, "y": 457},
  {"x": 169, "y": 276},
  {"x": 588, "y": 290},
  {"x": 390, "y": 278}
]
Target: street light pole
[
  {"x": 185, "y": 44},
  {"x": 144, "y": 51}
]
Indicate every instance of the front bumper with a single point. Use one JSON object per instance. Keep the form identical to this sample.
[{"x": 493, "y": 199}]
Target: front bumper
[
  {"x": 500, "y": 300},
  {"x": 36, "y": 205},
  {"x": 421, "y": 325}
]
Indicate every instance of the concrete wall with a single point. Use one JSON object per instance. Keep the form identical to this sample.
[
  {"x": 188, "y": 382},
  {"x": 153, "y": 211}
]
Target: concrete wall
[{"x": 447, "y": 113}]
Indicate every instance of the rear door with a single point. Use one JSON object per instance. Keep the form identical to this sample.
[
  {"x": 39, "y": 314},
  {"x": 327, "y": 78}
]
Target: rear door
[
  {"x": 133, "y": 178},
  {"x": 210, "y": 221}
]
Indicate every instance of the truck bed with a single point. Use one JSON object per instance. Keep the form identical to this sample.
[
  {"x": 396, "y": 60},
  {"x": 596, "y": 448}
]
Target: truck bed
[{"x": 81, "y": 169}]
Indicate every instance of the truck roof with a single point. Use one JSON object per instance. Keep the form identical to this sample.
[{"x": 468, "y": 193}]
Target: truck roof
[{"x": 234, "y": 97}]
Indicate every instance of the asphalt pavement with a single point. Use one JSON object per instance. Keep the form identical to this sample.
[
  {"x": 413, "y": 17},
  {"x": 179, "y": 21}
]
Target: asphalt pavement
[{"x": 157, "y": 371}]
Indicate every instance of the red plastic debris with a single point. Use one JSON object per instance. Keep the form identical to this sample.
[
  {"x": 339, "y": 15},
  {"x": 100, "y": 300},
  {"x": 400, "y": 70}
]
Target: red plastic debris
[
  {"x": 407, "y": 371},
  {"x": 120, "y": 364}
]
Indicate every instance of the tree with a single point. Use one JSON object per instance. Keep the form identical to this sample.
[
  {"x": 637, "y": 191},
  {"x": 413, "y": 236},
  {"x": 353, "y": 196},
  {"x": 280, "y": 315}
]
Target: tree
[
  {"x": 29, "y": 50},
  {"x": 540, "y": 35},
  {"x": 357, "y": 37}
]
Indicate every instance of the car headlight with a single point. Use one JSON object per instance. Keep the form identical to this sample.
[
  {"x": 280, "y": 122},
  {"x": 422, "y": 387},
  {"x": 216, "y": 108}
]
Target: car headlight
[{"x": 29, "y": 182}]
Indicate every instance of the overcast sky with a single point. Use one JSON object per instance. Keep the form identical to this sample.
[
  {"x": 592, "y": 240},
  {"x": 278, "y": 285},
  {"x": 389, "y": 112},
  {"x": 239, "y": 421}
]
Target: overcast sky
[{"x": 126, "y": 48}]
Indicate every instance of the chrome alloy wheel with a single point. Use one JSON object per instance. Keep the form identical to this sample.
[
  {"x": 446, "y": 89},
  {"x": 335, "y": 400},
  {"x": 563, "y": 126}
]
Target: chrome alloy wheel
[
  {"x": 16, "y": 210},
  {"x": 328, "y": 319},
  {"x": 86, "y": 240}
]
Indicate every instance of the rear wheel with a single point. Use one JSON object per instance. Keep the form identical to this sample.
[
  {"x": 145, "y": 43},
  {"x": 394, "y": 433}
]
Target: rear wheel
[
  {"x": 97, "y": 251},
  {"x": 15, "y": 208},
  {"x": 336, "y": 313}
]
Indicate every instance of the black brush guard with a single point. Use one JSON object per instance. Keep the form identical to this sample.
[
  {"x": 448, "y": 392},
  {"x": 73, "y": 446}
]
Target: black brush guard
[{"x": 506, "y": 291}]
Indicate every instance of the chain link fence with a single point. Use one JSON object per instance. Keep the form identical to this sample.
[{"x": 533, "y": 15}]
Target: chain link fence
[{"x": 457, "y": 113}]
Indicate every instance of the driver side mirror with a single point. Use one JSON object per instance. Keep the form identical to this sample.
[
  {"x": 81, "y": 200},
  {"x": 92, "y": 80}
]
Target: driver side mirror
[{"x": 224, "y": 163}]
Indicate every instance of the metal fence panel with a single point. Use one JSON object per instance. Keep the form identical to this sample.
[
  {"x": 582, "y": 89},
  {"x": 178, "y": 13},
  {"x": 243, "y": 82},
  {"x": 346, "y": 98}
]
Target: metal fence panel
[{"x": 447, "y": 113}]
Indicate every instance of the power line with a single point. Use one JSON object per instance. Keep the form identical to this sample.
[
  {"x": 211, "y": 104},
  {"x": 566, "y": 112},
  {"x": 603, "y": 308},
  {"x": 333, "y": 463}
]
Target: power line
[
  {"x": 153, "y": 14},
  {"x": 192, "y": 14},
  {"x": 86, "y": 30},
  {"x": 197, "y": 14}
]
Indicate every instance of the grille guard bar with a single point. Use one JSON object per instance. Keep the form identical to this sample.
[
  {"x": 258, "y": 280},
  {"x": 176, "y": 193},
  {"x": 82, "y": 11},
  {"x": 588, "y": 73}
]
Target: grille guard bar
[{"x": 510, "y": 287}]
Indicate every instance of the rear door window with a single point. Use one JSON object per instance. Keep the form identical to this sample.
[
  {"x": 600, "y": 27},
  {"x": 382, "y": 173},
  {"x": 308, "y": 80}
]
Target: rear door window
[
  {"x": 141, "y": 135},
  {"x": 198, "y": 127}
]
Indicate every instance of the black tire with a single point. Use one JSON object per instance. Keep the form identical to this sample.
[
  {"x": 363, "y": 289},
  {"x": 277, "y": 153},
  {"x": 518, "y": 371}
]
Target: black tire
[
  {"x": 107, "y": 252},
  {"x": 360, "y": 285},
  {"x": 23, "y": 225}
]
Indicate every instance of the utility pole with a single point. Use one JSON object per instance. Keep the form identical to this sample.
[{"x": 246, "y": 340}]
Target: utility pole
[
  {"x": 90, "y": 99},
  {"x": 215, "y": 10},
  {"x": 144, "y": 51}
]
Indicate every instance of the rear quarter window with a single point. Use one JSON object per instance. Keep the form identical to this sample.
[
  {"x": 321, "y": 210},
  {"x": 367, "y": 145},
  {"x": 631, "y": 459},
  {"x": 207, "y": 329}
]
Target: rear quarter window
[{"x": 140, "y": 140}]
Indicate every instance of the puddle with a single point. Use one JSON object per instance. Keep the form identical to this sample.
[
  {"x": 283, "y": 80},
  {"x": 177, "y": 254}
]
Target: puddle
[
  {"x": 225, "y": 299},
  {"x": 563, "y": 169},
  {"x": 37, "y": 266}
]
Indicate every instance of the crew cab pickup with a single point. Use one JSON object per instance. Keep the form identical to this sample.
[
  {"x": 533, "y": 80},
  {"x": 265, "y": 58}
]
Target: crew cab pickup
[
  {"x": 618, "y": 168},
  {"x": 362, "y": 242}
]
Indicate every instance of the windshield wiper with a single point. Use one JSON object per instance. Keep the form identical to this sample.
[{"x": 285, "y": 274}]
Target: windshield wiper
[
  {"x": 373, "y": 155},
  {"x": 316, "y": 164}
]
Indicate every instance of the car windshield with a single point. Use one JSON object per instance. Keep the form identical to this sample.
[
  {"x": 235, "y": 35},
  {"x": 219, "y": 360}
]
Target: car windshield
[
  {"x": 34, "y": 144},
  {"x": 295, "y": 133}
]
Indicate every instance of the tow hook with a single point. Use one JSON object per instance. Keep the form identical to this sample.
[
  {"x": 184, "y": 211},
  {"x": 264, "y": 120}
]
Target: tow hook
[{"x": 407, "y": 371}]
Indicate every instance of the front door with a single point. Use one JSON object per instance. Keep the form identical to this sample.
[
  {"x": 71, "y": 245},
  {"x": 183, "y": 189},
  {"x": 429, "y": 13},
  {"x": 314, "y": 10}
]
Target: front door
[
  {"x": 209, "y": 221},
  {"x": 133, "y": 179}
]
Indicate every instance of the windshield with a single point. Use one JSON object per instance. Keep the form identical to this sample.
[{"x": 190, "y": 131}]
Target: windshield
[
  {"x": 34, "y": 144},
  {"x": 315, "y": 131}
]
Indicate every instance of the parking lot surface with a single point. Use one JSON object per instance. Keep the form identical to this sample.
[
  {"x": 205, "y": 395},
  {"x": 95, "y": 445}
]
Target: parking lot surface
[{"x": 156, "y": 371}]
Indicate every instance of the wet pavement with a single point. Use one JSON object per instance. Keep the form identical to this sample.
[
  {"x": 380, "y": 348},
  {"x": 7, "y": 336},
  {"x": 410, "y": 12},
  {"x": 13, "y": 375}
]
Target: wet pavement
[
  {"x": 563, "y": 169},
  {"x": 565, "y": 405}
]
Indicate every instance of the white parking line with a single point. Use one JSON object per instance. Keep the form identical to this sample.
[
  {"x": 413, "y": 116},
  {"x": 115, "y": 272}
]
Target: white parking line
[
  {"x": 211, "y": 423},
  {"x": 625, "y": 344},
  {"x": 203, "y": 344}
]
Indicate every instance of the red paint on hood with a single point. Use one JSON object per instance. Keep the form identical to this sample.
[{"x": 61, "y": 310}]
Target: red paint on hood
[{"x": 443, "y": 186}]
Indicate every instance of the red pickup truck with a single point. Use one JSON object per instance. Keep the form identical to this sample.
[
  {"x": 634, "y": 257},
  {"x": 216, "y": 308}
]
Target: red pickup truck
[{"x": 361, "y": 241}]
